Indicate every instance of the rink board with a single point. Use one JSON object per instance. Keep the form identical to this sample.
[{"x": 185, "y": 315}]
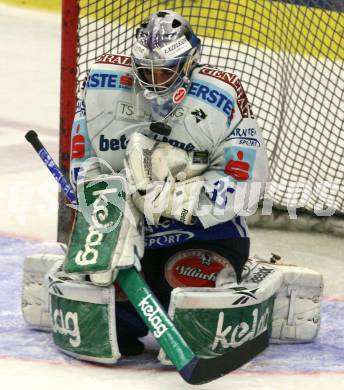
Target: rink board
[{"x": 18, "y": 341}]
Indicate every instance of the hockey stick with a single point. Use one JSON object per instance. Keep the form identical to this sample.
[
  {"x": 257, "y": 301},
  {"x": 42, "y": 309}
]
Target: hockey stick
[
  {"x": 32, "y": 137},
  {"x": 193, "y": 369}
]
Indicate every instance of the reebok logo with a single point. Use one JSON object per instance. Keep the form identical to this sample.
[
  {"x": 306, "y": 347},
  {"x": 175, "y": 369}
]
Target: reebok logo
[{"x": 221, "y": 100}]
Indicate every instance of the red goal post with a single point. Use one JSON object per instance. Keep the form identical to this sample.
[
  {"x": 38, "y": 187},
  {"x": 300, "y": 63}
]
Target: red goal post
[{"x": 68, "y": 88}]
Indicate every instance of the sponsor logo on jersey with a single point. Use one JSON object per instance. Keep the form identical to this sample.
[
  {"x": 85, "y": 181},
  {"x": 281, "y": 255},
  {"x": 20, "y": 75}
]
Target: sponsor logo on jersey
[
  {"x": 102, "y": 80},
  {"x": 114, "y": 59},
  {"x": 218, "y": 98},
  {"x": 244, "y": 136},
  {"x": 179, "y": 95},
  {"x": 194, "y": 268},
  {"x": 126, "y": 112},
  {"x": 112, "y": 143},
  {"x": 166, "y": 238},
  {"x": 126, "y": 80},
  {"x": 239, "y": 162},
  {"x": 79, "y": 141},
  {"x": 199, "y": 114},
  {"x": 182, "y": 145},
  {"x": 109, "y": 80},
  {"x": 78, "y": 144},
  {"x": 234, "y": 81},
  {"x": 178, "y": 113}
]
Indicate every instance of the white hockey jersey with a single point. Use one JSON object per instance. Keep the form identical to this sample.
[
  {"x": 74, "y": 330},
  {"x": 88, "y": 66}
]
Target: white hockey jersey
[{"x": 214, "y": 116}]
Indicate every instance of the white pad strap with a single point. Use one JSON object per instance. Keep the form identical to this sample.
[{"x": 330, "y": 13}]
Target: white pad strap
[
  {"x": 297, "y": 310},
  {"x": 35, "y": 291}
]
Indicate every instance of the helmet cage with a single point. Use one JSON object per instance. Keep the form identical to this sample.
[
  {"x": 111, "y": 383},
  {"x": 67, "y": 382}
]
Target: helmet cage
[{"x": 175, "y": 70}]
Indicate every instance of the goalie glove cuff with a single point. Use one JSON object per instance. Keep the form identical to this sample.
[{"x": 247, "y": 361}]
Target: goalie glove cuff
[
  {"x": 171, "y": 200},
  {"x": 184, "y": 200}
]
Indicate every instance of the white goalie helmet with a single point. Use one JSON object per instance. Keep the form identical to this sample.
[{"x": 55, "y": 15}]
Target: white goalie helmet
[{"x": 163, "y": 55}]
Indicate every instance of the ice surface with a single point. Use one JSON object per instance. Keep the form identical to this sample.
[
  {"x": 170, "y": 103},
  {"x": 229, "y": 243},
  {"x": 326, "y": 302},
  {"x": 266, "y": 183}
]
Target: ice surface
[{"x": 29, "y": 65}]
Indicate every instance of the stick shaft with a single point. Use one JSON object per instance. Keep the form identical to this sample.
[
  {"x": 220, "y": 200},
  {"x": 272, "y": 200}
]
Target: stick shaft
[
  {"x": 67, "y": 189},
  {"x": 155, "y": 317}
]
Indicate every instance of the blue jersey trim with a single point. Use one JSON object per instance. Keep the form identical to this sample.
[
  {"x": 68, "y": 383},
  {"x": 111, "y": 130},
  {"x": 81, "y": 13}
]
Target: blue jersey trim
[{"x": 171, "y": 233}]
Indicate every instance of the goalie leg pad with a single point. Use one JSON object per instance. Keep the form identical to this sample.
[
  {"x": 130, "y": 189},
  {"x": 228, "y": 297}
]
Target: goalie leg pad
[
  {"x": 83, "y": 318},
  {"x": 212, "y": 320}
]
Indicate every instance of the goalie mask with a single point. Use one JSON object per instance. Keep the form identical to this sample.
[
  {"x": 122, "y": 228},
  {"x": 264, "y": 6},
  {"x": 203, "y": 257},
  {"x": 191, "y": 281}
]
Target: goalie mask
[{"x": 163, "y": 55}]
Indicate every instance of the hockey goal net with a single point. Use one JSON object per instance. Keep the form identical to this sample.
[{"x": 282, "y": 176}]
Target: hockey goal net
[{"x": 289, "y": 56}]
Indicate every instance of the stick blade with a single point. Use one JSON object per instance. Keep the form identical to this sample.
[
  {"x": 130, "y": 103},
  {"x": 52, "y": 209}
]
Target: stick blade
[{"x": 201, "y": 370}]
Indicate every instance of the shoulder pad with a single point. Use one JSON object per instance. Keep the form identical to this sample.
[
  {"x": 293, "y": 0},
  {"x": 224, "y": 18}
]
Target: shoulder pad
[
  {"x": 111, "y": 71},
  {"x": 226, "y": 80}
]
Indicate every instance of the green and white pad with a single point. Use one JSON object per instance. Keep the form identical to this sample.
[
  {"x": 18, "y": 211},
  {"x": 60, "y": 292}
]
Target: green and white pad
[
  {"x": 108, "y": 231},
  {"x": 213, "y": 320},
  {"x": 83, "y": 317}
]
